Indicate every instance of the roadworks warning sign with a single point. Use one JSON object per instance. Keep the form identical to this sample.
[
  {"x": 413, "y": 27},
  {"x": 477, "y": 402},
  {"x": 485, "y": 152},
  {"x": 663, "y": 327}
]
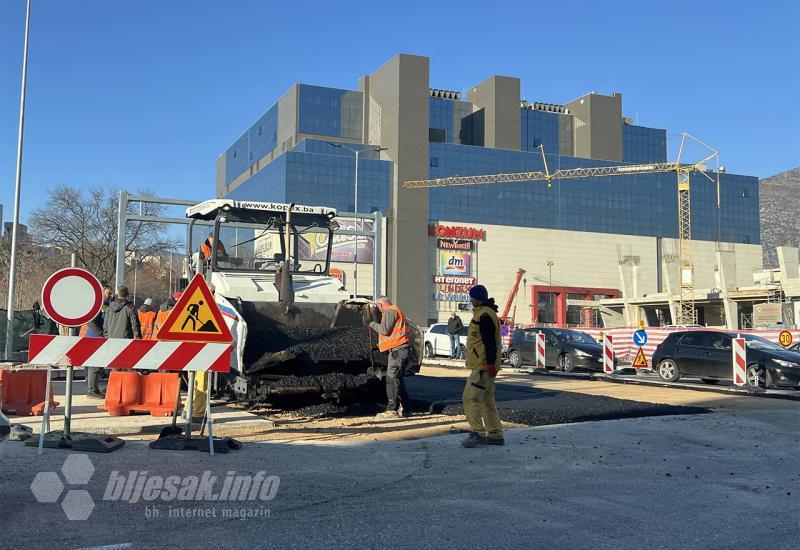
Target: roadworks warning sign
[{"x": 196, "y": 317}]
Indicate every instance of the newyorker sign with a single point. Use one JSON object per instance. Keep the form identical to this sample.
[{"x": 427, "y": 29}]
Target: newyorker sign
[
  {"x": 457, "y": 232},
  {"x": 455, "y": 244}
]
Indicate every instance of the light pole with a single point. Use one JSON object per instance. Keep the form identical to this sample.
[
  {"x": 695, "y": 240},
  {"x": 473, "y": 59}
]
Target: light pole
[
  {"x": 550, "y": 264},
  {"x": 12, "y": 270},
  {"x": 376, "y": 149}
]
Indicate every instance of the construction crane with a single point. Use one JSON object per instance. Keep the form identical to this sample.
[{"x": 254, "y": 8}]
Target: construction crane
[
  {"x": 686, "y": 310},
  {"x": 511, "y": 296}
]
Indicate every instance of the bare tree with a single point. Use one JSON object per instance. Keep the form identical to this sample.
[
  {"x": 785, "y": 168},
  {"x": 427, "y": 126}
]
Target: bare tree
[{"x": 85, "y": 222}]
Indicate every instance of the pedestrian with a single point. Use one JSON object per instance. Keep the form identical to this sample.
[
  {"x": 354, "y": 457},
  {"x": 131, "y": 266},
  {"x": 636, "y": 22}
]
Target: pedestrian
[
  {"x": 484, "y": 345},
  {"x": 108, "y": 295},
  {"x": 394, "y": 339},
  {"x": 147, "y": 320},
  {"x": 454, "y": 327},
  {"x": 119, "y": 321}
]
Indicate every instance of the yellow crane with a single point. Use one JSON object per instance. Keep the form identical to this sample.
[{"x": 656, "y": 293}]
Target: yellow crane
[{"x": 686, "y": 309}]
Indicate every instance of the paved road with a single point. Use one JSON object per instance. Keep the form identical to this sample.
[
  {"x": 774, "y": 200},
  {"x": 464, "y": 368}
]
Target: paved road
[{"x": 714, "y": 480}]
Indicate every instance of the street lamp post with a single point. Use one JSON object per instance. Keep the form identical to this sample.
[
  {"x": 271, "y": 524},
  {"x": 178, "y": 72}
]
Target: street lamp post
[
  {"x": 356, "y": 152},
  {"x": 12, "y": 270}
]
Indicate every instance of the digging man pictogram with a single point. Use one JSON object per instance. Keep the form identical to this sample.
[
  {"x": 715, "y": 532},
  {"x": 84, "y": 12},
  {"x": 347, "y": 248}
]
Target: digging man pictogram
[{"x": 194, "y": 316}]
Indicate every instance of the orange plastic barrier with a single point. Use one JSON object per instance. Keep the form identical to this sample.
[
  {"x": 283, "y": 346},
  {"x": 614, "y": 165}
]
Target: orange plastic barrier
[
  {"x": 23, "y": 392},
  {"x": 129, "y": 392}
]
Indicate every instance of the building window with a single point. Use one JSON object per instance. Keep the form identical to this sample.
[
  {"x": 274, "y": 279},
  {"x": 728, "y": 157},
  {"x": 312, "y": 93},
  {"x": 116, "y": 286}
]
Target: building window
[
  {"x": 546, "y": 308},
  {"x": 434, "y": 162},
  {"x": 437, "y": 135}
]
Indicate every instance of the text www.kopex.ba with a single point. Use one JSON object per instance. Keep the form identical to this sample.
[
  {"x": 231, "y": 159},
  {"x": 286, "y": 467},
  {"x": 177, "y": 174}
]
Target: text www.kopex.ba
[{"x": 139, "y": 486}]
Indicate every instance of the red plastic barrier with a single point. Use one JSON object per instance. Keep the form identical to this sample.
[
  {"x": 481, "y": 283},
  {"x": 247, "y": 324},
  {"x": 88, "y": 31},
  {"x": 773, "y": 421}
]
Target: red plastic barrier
[
  {"x": 130, "y": 392},
  {"x": 23, "y": 392}
]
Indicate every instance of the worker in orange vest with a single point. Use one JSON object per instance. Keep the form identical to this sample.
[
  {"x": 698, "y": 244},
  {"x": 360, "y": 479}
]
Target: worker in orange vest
[
  {"x": 394, "y": 338},
  {"x": 207, "y": 246},
  {"x": 147, "y": 320},
  {"x": 163, "y": 312}
]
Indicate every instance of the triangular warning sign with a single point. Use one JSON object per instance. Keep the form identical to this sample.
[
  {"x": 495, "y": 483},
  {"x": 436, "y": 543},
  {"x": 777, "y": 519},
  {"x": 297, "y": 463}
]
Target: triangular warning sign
[
  {"x": 196, "y": 317},
  {"x": 641, "y": 361}
]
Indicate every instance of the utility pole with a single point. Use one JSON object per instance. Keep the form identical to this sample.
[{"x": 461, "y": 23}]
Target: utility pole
[
  {"x": 12, "y": 271},
  {"x": 550, "y": 264}
]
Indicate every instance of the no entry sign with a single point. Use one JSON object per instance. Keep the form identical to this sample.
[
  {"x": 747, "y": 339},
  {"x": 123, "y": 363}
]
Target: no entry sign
[{"x": 72, "y": 297}]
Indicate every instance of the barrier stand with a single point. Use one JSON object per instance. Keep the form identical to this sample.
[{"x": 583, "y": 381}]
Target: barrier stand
[
  {"x": 540, "y": 351},
  {"x": 45, "y": 427},
  {"x": 66, "y": 439}
]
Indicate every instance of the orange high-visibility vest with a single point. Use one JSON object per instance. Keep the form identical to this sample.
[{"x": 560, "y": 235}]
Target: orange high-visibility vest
[
  {"x": 147, "y": 321},
  {"x": 399, "y": 335},
  {"x": 205, "y": 250},
  {"x": 161, "y": 318}
]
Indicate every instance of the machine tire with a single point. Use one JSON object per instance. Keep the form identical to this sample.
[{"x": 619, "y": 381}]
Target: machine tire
[
  {"x": 755, "y": 373},
  {"x": 668, "y": 371},
  {"x": 565, "y": 363},
  {"x": 711, "y": 381},
  {"x": 429, "y": 350},
  {"x": 515, "y": 358}
]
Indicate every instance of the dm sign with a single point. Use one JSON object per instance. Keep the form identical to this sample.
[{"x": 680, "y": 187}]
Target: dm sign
[{"x": 452, "y": 263}]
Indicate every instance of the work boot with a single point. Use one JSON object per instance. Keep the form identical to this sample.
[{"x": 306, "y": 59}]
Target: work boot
[
  {"x": 95, "y": 395},
  {"x": 472, "y": 440},
  {"x": 387, "y": 414},
  {"x": 403, "y": 412},
  {"x": 494, "y": 441}
]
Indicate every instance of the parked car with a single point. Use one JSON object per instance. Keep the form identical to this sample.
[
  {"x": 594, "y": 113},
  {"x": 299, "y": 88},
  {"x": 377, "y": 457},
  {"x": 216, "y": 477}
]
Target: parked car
[
  {"x": 437, "y": 341},
  {"x": 565, "y": 349},
  {"x": 708, "y": 355},
  {"x": 795, "y": 347}
]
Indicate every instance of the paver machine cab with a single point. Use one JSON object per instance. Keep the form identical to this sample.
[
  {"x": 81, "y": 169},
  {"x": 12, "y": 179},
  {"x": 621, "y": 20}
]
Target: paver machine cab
[{"x": 296, "y": 330}]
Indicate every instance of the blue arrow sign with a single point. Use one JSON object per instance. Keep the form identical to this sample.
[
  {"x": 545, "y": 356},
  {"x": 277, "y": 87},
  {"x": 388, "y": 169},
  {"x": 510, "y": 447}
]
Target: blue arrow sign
[{"x": 640, "y": 338}]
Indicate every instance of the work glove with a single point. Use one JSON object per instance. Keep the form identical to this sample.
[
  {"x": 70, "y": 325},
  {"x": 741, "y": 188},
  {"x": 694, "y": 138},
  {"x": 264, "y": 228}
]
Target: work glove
[
  {"x": 491, "y": 370},
  {"x": 376, "y": 315}
]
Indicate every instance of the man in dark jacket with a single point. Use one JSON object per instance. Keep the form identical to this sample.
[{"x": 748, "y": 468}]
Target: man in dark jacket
[
  {"x": 454, "y": 328},
  {"x": 121, "y": 320}
]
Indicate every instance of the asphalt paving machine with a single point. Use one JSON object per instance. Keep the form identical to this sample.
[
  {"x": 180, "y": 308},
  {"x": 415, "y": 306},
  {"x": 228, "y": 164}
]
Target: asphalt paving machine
[{"x": 296, "y": 329}]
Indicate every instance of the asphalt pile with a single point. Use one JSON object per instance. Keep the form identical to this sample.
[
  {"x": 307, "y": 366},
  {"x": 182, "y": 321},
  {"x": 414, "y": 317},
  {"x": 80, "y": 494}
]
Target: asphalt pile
[{"x": 350, "y": 344}]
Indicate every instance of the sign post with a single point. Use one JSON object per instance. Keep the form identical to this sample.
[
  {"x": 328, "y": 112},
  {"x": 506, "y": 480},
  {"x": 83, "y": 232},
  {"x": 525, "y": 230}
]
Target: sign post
[
  {"x": 640, "y": 339},
  {"x": 196, "y": 318},
  {"x": 72, "y": 297}
]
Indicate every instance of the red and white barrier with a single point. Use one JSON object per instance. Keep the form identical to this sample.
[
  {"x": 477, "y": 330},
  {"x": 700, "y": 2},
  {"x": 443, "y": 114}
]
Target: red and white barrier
[
  {"x": 608, "y": 354},
  {"x": 626, "y": 349},
  {"x": 540, "y": 349},
  {"x": 739, "y": 361},
  {"x": 119, "y": 353}
]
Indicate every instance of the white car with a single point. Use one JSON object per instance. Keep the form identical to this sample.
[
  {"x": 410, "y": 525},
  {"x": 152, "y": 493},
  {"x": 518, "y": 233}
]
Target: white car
[{"x": 437, "y": 341}]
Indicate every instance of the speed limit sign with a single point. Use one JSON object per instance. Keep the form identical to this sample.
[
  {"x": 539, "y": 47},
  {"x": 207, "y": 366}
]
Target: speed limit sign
[{"x": 785, "y": 338}]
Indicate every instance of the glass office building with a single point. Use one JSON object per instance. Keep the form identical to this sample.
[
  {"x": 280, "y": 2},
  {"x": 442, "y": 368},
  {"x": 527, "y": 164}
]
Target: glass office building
[{"x": 302, "y": 150}]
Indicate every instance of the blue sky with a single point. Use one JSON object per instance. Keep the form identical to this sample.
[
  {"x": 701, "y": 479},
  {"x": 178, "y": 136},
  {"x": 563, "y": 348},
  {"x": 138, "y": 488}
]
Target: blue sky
[{"x": 146, "y": 94}]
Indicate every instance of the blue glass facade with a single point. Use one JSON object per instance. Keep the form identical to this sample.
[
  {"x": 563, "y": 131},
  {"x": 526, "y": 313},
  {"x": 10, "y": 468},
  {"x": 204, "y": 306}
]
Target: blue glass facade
[
  {"x": 256, "y": 142},
  {"x": 452, "y": 118},
  {"x": 552, "y": 130},
  {"x": 641, "y": 144},
  {"x": 330, "y": 111},
  {"x": 635, "y": 205},
  {"x": 316, "y": 173},
  {"x": 313, "y": 172}
]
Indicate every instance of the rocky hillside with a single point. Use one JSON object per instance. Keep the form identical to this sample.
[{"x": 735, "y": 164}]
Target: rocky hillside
[{"x": 779, "y": 198}]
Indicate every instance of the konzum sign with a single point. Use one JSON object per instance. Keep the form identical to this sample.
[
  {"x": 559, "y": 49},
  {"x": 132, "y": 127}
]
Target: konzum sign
[{"x": 457, "y": 232}]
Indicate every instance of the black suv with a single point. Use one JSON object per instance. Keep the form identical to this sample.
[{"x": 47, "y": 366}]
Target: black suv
[
  {"x": 565, "y": 349},
  {"x": 708, "y": 355}
]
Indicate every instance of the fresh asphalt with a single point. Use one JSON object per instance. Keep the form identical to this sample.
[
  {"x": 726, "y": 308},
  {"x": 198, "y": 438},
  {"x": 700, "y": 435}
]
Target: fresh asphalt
[{"x": 718, "y": 480}]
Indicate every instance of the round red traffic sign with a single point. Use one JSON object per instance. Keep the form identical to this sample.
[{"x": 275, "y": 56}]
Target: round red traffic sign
[
  {"x": 785, "y": 338},
  {"x": 72, "y": 297}
]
